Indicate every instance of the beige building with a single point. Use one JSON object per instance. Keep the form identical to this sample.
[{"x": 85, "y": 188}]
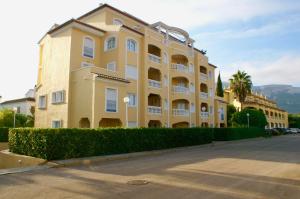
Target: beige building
[
  {"x": 89, "y": 65},
  {"x": 276, "y": 117}
]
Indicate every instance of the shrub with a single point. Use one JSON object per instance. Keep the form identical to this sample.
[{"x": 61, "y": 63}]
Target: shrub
[
  {"x": 53, "y": 144},
  {"x": 256, "y": 118},
  {"x": 4, "y": 134},
  {"x": 7, "y": 119},
  {"x": 226, "y": 134}
]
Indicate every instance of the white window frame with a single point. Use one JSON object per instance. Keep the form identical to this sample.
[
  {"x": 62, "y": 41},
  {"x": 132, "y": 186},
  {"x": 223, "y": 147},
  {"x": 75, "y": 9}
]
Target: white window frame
[
  {"x": 106, "y": 42},
  {"x": 192, "y": 87},
  {"x": 192, "y": 109},
  {"x": 136, "y": 45},
  {"x": 86, "y": 64},
  {"x": 166, "y": 104},
  {"x": 59, "y": 121},
  {"x": 120, "y": 21},
  {"x": 135, "y": 100},
  {"x": 39, "y": 104},
  {"x": 54, "y": 97},
  {"x": 191, "y": 68},
  {"x": 83, "y": 45},
  {"x": 126, "y": 72},
  {"x": 112, "y": 63},
  {"x": 165, "y": 58},
  {"x": 117, "y": 99}
]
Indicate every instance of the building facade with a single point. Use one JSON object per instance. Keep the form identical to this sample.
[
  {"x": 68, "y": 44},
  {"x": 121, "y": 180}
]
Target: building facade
[
  {"x": 276, "y": 117},
  {"x": 89, "y": 65}
]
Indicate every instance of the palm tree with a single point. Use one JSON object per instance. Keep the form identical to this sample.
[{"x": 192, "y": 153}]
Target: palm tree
[{"x": 241, "y": 85}]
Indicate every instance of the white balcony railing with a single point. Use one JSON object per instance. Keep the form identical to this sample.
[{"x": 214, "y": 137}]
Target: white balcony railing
[
  {"x": 155, "y": 110},
  {"x": 203, "y": 77},
  {"x": 181, "y": 112},
  {"x": 154, "y": 83},
  {"x": 154, "y": 58},
  {"x": 180, "y": 89},
  {"x": 204, "y": 95},
  {"x": 204, "y": 115},
  {"x": 180, "y": 68}
]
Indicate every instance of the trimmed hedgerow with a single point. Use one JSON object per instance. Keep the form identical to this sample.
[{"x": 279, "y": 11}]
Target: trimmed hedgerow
[
  {"x": 227, "y": 134},
  {"x": 3, "y": 134},
  {"x": 54, "y": 144}
]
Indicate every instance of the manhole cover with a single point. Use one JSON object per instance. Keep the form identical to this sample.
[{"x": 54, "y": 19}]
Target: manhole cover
[{"x": 137, "y": 182}]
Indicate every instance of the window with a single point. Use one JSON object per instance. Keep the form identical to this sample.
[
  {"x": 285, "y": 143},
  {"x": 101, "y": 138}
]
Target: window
[
  {"x": 132, "y": 99},
  {"x": 211, "y": 110},
  {"x": 118, "y": 22},
  {"x": 58, "y": 97},
  {"x": 165, "y": 58},
  {"x": 192, "y": 108},
  {"x": 111, "y": 66},
  {"x": 110, "y": 43},
  {"x": 166, "y": 80},
  {"x": 211, "y": 92},
  {"x": 86, "y": 64},
  {"x": 88, "y": 47},
  {"x": 191, "y": 68},
  {"x": 111, "y": 100},
  {"x": 192, "y": 87},
  {"x": 130, "y": 72},
  {"x": 131, "y": 45},
  {"x": 18, "y": 109},
  {"x": 181, "y": 106},
  {"x": 42, "y": 102},
  {"x": 166, "y": 104},
  {"x": 210, "y": 75},
  {"x": 56, "y": 124},
  {"x": 132, "y": 124}
]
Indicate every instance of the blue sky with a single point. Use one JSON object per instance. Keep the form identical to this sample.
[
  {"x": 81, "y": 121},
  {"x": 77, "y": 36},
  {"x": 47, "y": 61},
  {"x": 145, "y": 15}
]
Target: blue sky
[{"x": 261, "y": 37}]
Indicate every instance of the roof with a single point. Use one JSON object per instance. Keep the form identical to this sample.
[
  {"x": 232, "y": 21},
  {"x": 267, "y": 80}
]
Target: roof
[
  {"x": 115, "y": 9},
  {"x": 74, "y": 21},
  {"x": 18, "y": 100},
  {"x": 212, "y": 65}
]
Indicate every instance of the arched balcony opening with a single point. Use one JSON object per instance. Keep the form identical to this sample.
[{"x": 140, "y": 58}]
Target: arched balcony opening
[
  {"x": 180, "y": 85},
  {"x": 204, "y": 125},
  {"x": 110, "y": 122},
  {"x": 84, "y": 123},
  {"x": 203, "y": 91},
  {"x": 180, "y": 63},
  {"x": 271, "y": 114},
  {"x": 203, "y": 70},
  {"x": 154, "y": 53},
  {"x": 154, "y": 124},
  {"x": 154, "y": 78},
  {"x": 204, "y": 111},
  {"x": 180, "y": 107},
  {"x": 154, "y": 104},
  {"x": 181, "y": 125}
]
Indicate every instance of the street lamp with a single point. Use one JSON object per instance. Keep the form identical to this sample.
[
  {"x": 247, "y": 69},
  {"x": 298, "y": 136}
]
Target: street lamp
[
  {"x": 15, "y": 109},
  {"x": 248, "y": 119},
  {"x": 126, "y": 101}
]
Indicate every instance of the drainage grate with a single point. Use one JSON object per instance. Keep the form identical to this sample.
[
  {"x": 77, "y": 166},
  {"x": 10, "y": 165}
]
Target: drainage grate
[{"x": 137, "y": 182}]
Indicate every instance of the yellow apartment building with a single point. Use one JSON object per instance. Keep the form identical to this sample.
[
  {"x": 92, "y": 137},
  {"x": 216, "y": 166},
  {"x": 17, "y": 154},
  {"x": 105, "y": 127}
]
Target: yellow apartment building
[
  {"x": 108, "y": 68},
  {"x": 276, "y": 117}
]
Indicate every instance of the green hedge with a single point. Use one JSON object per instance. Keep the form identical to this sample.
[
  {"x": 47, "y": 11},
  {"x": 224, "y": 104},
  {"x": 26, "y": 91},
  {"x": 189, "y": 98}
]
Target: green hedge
[
  {"x": 54, "y": 144},
  {"x": 227, "y": 134},
  {"x": 3, "y": 134}
]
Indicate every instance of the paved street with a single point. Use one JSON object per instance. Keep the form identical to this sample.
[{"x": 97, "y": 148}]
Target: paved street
[{"x": 259, "y": 168}]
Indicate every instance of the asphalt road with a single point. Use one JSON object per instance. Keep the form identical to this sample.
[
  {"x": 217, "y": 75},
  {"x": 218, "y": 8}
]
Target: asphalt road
[{"x": 258, "y": 168}]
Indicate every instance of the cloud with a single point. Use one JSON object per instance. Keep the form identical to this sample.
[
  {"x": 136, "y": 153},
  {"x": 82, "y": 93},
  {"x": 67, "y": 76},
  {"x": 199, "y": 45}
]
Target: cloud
[{"x": 284, "y": 70}]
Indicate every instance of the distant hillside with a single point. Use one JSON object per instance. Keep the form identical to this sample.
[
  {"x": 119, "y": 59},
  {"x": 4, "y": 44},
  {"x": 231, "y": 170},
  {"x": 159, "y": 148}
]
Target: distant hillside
[{"x": 286, "y": 96}]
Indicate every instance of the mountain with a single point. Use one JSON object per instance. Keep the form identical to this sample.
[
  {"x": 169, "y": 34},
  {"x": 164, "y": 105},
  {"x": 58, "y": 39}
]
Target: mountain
[{"x": 286, "y": 96}]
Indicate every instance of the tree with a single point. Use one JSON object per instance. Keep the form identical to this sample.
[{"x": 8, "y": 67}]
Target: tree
[
  {"x": 256, "y": 118},
  {"x": 241, "y": 85},
  {"x": 230, "y": 111},
  {"x": 294, "y": 120},
  {"x": 7, "y": 119},
  {"x": 220, "y": 91}
]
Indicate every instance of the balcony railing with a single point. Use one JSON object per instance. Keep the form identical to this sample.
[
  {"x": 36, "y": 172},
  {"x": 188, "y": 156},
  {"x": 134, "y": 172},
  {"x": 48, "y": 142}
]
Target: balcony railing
[
  {"x": 154, "y": 58},
  {"x": 180, "y": 89},
  {"x": 155, "y": 110},
  {"x": 180, "y": 67},
  {"x": 203, "y": 77},
  {"x": 204, "y": 95},
  {"x": 181, "y": 112},
  {"x": 204, "y": 115},
  {"x": 154, "y": 83}
]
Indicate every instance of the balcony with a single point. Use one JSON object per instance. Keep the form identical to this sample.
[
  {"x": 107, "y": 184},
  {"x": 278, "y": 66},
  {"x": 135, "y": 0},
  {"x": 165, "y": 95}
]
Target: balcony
[
  {"x": 203, "y": 77},
  {"x": 181, "y": 89},
  {"x": 203, "y": 95},
  {"x": 154, "y": 83},
  {"x": 204, "y": 115},
  {"x": 181, "y": 112},
  {"x": 180, "y": 68},
  {"x": 154, "y": 110},
  {"x": 154, "y": 58}
]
